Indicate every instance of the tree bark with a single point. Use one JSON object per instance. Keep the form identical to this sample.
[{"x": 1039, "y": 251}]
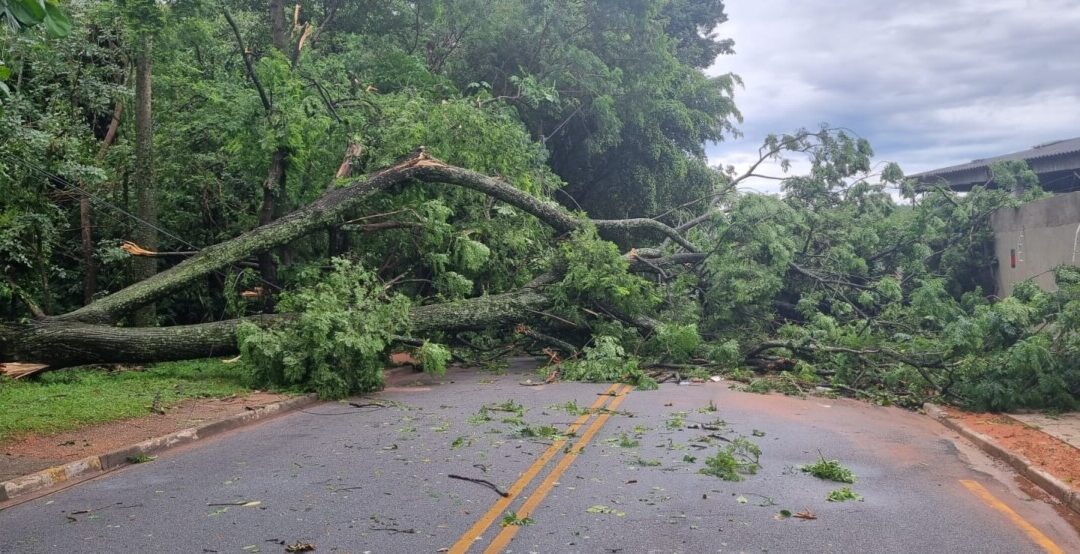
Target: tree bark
[
  {"x": 145, "y": 232},
  {"x": 277, "y": 26},
  {"x": 85, "y": 218},
  {"x": 67, "y": 343},
  {"x": 89, "y": 265},
  {"x": 274, "y": 179}
]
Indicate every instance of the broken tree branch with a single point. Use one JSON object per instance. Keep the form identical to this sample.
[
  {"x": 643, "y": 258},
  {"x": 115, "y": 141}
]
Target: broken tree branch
[{"x": 328, "y": 210}]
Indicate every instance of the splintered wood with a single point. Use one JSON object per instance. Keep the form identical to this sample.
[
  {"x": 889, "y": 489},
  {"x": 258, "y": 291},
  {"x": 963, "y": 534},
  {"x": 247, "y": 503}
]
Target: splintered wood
[{"x": 17, "y": 370}]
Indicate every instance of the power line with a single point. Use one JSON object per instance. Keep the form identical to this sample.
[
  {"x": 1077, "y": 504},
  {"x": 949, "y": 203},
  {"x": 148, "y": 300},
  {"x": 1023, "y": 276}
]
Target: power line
[
  {"x": 93, "y": 197},
  {"x": 51, "y": 177}
]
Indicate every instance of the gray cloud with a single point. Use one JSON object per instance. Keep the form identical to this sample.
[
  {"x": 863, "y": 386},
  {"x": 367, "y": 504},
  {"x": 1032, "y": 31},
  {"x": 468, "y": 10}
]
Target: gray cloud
[{"x": 929, "y": 83}]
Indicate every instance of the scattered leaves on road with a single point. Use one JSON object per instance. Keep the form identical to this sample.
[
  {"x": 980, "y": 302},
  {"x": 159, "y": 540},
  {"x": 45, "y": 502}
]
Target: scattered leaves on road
[
  {"x": 830, "y": 470},
  {"x": 739, "y": 458},
  {"x": 601, "y": 509},
  {"x": 843, "y": 494},
  {"x": 511, "y": 518}
]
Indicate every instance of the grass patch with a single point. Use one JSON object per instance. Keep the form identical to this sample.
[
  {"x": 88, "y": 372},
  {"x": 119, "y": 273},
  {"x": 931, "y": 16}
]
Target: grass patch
[
  {"x": 830, "y": 470},
  {"x": 68, "y": 399}
]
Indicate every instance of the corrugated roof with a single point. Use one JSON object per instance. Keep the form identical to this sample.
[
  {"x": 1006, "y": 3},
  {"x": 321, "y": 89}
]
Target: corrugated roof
[{"x": 1065, "y": 146}]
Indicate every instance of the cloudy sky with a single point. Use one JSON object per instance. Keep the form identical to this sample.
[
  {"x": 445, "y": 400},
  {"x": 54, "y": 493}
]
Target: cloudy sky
[{"x": 930, "y": 83}]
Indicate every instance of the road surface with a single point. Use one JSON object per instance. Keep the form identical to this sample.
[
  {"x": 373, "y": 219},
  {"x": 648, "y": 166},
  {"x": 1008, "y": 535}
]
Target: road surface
[{"x": 620, "y": 478}]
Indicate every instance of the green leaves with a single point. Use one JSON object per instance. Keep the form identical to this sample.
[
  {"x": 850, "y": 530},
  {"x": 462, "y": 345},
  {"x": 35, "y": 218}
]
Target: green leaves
[
  {"x": 334, "y": 343},
  {"x": 843, "y": 494},
  {"x": 22, "y": 14},
  {"x": 27, "y": 12},
  {"x": 56, "y": 21},
  {"x": 433, "y": 357},
  {"x": 739, "y": 458},
  {"x": 830, "y": 470},
  {"x": 596, "y": 273}
]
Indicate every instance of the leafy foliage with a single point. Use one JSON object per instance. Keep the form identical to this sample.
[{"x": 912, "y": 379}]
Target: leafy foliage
[
  {"x": 433, "y": 357},
  {"x": 676, "y": 342},
  {"x": 595, "y": 273},
  {"x": 334, "y": 344},
  {"x": 740, "y": 457},
  {"x": 23, "y": 14},
  {"x": 511, "y": 518},
  {"x": 843, "y": 494},
  {"x": 830, "y": 470},
  {"x": 606, "y": 361}
]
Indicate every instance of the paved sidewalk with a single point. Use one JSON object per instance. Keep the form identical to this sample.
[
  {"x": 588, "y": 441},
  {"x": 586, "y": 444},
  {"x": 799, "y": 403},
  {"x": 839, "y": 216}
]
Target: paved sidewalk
[{"x": 1064, "y": 427}]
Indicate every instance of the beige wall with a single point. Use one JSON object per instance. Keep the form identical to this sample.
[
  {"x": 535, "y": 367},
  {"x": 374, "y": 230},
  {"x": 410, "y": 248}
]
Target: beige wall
[{"x": 1044, "y": 235}]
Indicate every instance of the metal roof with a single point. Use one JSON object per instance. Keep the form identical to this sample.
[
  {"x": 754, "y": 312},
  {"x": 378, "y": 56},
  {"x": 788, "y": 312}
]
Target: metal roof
[{"x": 1055, "y": 148}]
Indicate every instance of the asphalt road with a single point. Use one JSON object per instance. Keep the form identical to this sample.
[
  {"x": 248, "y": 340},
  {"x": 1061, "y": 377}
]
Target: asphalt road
[{"x": 376, "y": 479}]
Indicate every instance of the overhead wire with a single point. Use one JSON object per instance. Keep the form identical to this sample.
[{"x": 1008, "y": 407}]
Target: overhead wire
[{"x": 51, "y": 179}]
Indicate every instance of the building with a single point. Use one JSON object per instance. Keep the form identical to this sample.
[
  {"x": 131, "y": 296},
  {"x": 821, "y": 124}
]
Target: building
[
  {"x": 1056, "y": 163},
  {"x": 1029, "y": 240}
]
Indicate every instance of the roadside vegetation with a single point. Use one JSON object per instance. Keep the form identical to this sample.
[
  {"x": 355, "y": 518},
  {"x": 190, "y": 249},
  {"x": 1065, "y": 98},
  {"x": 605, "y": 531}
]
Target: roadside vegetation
[{"x": 64, "y": 400}]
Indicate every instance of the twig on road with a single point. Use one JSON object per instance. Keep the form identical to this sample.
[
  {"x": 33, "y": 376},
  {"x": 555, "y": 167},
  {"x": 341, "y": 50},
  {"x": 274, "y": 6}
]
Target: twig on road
[{"x": 484, "y": 482}]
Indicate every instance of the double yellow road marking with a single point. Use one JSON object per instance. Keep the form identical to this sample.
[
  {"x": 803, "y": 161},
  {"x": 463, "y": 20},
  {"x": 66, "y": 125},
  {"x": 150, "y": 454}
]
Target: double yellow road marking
[{"x": 615, "y": 393}]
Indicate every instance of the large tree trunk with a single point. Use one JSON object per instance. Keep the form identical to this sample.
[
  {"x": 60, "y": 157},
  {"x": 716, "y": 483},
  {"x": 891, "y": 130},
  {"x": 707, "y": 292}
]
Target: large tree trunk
[
  {"x": 145, "y": 233},
  {"x": 65, "y": 343},
  {"x": 277, "y": 26}
]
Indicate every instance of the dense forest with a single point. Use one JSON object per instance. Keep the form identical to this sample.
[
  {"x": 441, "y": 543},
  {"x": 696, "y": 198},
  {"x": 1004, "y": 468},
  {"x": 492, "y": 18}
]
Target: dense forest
[{"x": 313, "y": 185}]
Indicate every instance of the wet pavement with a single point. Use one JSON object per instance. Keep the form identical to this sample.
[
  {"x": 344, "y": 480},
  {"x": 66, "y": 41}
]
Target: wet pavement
[{"x": 376, "y": 477}]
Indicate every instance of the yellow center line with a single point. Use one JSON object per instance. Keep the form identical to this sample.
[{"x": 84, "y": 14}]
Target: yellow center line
[
  {"x": 462, "y": 545},
  {"x": 1040, "y": 539},
  {"x": 502, "y": 540}
]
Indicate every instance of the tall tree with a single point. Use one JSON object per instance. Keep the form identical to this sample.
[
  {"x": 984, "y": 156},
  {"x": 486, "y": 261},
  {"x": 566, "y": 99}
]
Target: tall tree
[{"x": 145, "y": 231}]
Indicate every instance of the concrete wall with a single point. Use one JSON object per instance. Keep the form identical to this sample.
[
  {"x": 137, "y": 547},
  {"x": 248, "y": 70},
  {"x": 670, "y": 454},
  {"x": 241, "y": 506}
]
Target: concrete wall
[{"x": 1042, "y": 235}]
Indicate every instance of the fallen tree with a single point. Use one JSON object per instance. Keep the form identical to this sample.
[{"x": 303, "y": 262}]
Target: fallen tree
[
  {"x": 833, "y": 284},
  {"x": 86, "y": 335}
]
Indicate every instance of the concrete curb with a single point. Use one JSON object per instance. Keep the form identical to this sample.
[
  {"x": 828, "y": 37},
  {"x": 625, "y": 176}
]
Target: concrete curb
[
  {"x": 86, "y": 467},
  {"x": 1052, "y": 485}
]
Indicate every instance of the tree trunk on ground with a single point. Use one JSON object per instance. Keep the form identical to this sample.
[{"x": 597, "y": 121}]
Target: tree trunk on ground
[
  {"x": 145, "y": 233},
  {"x": 64, "y": 343}
]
